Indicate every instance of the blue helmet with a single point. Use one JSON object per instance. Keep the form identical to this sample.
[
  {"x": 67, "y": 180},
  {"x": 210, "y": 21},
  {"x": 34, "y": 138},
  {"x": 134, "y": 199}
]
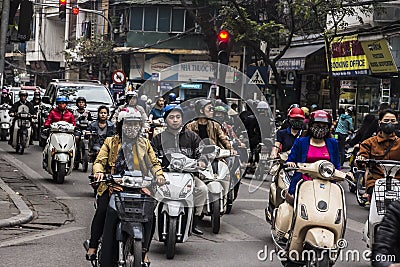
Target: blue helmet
[
  {"x": 61, "y": 99},
  {"x": 170, "y": 108},
  {"x": 172, "y": 97}
]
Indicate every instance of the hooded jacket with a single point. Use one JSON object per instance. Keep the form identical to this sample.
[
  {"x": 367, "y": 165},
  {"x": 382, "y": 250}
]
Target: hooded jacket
[
  {"x": 57, "y": 115},
  {"x": 345, "y": 124}
]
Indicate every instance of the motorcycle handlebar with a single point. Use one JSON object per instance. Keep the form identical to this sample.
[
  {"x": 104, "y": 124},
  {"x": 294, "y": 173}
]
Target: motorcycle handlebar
[{"x": 110, "y": 178}]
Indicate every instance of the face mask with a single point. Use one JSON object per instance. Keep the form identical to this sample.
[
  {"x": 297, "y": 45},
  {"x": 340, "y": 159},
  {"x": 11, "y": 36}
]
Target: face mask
[
  {"x": 388, "y": 128},
  {"x": 296, "y": 124},
  {"x": 318, "y": 132}
]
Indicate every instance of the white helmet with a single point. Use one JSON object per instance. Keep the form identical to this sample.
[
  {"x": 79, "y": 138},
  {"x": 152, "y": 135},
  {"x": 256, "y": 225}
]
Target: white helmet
[
  {"x": 262, "y": 105},
  {"x": 143, "y": 98},
  {"x": 131, "y": 114}
]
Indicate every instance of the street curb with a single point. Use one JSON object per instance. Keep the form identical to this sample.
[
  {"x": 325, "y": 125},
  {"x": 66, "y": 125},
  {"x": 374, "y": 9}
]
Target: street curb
[{"x": 25, "y": 215}]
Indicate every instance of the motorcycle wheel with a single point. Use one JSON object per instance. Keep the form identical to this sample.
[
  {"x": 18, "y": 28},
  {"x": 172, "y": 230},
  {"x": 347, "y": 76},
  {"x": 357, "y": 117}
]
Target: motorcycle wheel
[
  {"x": 322, "y": 260},
  {"x": 171, "y": 240},
  {"x": 360, "y": 188},
  {"x": 3, "y": 135},
  {"x": 59, "y": 176},
  {"x": 135, "y": 247},
  {"x": 216, "y": 216},
  {"x": 229, "y": 202},
  {"x": 85, "y": 161}
]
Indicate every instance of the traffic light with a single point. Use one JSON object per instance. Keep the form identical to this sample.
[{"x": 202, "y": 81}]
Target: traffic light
[
  {"x": 75, "y": 10},
  {"x": 223, "y": 45},
  {"x": 62, "y": 10}
]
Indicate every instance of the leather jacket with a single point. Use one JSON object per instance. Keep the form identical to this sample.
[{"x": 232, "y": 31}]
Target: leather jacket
[{"x": 386, "y": 248}]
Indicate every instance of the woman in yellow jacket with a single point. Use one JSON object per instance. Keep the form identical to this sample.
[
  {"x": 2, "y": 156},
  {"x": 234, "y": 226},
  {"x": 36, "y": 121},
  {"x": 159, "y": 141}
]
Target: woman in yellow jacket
[{"x": 113, "y": 158}]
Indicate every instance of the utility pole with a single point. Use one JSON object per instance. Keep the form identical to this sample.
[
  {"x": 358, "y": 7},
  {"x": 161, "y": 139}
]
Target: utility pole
[{"x": 3, "y": 36}]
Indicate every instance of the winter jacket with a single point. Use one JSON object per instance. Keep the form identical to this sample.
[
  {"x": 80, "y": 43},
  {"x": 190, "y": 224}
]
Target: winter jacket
[
  {"x": 57, "y": 115},
  {"x": 14, "y": 108},
  {"x": 99, "y": 139},
  {"x": 214, "y": 131},
  {"x": 186, "y": 142},
  {"x": 106, "y": 159},
  {"x": 387, "y": 238},
  {"x": 344, "y": 124},
  {"x": 299, "y": 154},
  {"x": 374, "y": 148}
]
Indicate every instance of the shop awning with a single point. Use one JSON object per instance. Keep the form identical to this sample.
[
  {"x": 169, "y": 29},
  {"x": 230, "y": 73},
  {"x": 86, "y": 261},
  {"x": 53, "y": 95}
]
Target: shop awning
[{"x": 295, "y": 57}]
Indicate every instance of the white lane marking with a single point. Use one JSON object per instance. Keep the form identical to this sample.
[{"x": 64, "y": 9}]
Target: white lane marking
[
  {"x": 255, "y": 187},
  {"x": 30, "y": 173},
  {"x": 350, "y": 225},
  {"x": 40, "y": 235}
]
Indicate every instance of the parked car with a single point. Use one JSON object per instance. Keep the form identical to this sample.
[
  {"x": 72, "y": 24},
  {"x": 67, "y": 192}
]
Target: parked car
[{"x": 96, "y": 94}]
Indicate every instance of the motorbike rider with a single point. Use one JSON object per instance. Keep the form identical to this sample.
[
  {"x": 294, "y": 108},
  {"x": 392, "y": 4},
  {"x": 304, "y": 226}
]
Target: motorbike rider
[
  {"x": 102, "y": 126},
  {"x": 172, "y": 99},
  {"x": 285, "y": 138},
  {"x": 318, "y": 145},
  {"x": 343, "y": 128},
  {"x": 37, "y": 100},
  {"x": 5, "y": 97},
  {"x": 111, "y": 159},
  {"x": 385, "y": 145},
  {"x": 205, "y": 127},
  {"x": 131, "y": 100},
  {"x": 23, "y": 95},
  {"x": 386, "y": 248},
  {"x": 81, "y": 109},
  {"x": 157, "y": 111},
  {"x": 167, "y": 142},
  {"x": 60, "y": 113}
]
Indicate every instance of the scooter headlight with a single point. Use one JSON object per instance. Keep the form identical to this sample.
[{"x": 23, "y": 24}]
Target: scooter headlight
[
  {"x": 326, "y": 169},
  {"x": 164, "y": 190},
  {"x": 186, "y": 189}
]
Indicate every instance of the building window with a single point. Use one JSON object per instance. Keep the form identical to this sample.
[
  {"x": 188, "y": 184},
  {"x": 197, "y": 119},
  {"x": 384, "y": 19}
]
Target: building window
[
  {"x": 150, "y": 19},
  {"x": 136, "y": 18},
  {"x": 159, "y": 19},
  {"x": 164, "y": 19}
]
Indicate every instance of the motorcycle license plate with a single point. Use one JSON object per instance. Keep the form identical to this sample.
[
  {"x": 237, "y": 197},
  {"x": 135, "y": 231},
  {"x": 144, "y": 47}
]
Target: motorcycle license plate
[{"x": 264, "y": 156}]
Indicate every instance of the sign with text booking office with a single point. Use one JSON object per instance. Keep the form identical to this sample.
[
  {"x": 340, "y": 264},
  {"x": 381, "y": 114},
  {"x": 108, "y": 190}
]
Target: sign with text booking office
[{"x": 348, "y": 56}]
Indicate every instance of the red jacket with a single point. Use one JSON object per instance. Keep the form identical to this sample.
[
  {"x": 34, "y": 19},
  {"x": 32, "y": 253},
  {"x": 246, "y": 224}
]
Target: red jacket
[{"x": 56, "y": 115}]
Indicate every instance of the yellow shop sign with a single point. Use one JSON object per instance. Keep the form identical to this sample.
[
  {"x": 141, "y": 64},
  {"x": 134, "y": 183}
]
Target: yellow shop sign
[{"x": 379, "y": 56}]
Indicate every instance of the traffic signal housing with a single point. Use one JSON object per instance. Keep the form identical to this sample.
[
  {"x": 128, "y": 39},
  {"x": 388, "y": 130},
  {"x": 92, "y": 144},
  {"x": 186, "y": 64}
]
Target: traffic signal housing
[
  {"x": 62, "y": 10},
  {"x": 223, "y": 47}
]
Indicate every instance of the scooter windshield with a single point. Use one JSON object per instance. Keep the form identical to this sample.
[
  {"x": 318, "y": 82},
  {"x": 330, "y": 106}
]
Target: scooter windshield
[{"x": 130, "y": 133}]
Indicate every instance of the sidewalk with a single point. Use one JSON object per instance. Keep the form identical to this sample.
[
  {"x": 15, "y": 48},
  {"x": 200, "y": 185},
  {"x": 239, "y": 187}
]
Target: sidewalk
[{"x": 13, "y": 210}]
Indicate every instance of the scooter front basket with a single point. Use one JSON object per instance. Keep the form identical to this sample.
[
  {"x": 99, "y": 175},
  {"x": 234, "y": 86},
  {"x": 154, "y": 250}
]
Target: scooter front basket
[
  {"x": 384, "y": 197},
  {"x": 134, "y": 207}
]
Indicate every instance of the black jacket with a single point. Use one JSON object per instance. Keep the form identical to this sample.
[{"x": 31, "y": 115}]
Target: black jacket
[
  {"x": 187, "y": 143},
  {"x": 16, "y": 105},
  {"x": 99, "y": 139},
  {"x": 387, "y": 240}
]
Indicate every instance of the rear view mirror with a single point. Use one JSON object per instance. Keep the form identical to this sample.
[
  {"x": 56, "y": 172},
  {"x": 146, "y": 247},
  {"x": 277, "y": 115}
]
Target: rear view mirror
[{"x": 46, "y": 99}]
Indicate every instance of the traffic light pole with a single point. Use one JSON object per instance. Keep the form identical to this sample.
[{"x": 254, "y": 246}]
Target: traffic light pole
[{"x": 3, "y": 37}]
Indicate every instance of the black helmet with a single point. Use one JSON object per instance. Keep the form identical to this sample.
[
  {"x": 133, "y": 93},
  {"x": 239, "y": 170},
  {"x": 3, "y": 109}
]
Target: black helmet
[
  {"x": 81, "y": 98},
  {"x": 200, "y": 104},
  {"x": 23, "y": 92}
]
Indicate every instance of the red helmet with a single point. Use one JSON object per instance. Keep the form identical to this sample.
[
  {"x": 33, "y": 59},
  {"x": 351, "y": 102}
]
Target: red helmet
[
  {"x": 321, "y": 116},
  {"x": 296, "y": 113}
]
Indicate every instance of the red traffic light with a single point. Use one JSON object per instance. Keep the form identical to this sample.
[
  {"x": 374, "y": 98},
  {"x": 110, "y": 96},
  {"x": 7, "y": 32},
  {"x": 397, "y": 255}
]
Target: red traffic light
[
  {"x": 62, "y": 2},
  {"x": 75, "y": 10},
  {"x": 223, "y": 36}
]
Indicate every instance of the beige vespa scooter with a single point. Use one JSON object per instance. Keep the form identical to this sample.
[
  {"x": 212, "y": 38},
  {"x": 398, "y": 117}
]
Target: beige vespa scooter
[{"x": 314, "y": 226}]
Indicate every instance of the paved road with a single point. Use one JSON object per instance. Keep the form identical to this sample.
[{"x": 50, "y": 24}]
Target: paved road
[{"x": 243, "y": 236}]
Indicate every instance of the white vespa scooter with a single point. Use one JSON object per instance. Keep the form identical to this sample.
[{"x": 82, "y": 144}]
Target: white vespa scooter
[
  {"x": 217, "y": 177},
  {"x": 174, "y": 212},
  {"x": 59, "y": 153},
  {"x": 386, "y": 190},
  {"x": 5, "y": 121},
  {"x": 311, "y": 231}
]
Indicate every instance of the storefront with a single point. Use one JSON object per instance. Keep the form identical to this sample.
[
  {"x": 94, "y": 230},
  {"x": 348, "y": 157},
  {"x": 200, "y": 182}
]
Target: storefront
[{"x": 363, "y": 70}]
